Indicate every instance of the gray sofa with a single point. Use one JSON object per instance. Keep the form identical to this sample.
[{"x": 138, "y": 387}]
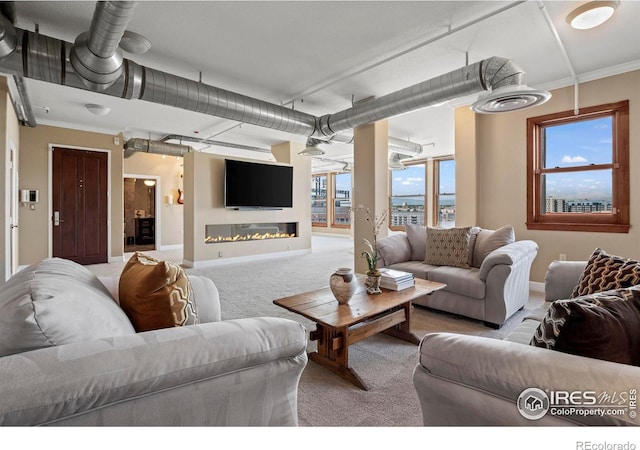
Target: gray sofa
[
  {"x": 241, "y": 372},
  {"x": 474, "y": 381},
  {"x": 492, "y": 288}
]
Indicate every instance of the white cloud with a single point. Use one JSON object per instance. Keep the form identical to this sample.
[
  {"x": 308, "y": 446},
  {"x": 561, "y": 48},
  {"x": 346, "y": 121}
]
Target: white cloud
[{"x": 573, "y": 159}]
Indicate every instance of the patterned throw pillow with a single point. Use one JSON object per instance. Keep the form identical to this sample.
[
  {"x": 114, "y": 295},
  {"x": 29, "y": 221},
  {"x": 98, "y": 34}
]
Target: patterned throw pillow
[
  {"x": 448, "y": 247},
  {"x": 156, "y": 294},
  {"x": 604, "y": 272},
  {"x": 602, "y": 326}
]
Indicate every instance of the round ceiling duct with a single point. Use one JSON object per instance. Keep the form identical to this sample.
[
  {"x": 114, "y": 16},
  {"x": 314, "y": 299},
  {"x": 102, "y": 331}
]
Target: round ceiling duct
[{"x": 509, "y": 98}]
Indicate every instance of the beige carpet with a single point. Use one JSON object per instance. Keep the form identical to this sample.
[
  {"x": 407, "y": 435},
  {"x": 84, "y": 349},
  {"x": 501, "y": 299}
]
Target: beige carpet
[{"x": 384, "y": 363}]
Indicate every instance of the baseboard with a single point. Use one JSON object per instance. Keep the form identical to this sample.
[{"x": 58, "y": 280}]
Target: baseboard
[
  {"x": 240, "y": 259},
  {"x": 536, "y": 286},
  {"x": 170, "y": 247}
]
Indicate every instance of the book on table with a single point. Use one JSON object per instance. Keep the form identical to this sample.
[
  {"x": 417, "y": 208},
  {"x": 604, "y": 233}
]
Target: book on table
[
  {"x": 395, "y": 275},
  {"x": 396, "y": 279},
  {"x": 397, "y": 286}
]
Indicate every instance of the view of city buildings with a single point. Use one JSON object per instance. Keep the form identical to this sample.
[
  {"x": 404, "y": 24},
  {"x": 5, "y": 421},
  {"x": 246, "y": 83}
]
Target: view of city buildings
[
  {"x": 561, "y": 205},
  {"x": 407, "y": 201}
]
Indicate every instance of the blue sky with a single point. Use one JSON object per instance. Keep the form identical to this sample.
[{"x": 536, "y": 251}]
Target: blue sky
[
  {"x": 579, "y": 144},
  {"x": 411, "y": 181}
]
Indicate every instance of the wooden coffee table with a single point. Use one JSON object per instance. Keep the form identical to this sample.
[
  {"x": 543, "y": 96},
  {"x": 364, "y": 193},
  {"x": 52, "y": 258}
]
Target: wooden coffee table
[{"x": 339, "y": 326}]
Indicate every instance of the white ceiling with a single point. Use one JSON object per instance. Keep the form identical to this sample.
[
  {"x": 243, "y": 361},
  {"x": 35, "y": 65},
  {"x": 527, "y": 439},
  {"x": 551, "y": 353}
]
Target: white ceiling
[{"x": 322, "y": 56}]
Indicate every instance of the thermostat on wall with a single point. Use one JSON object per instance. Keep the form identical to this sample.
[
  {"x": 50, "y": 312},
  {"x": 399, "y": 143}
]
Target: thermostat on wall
[{"x": 28, "y": 196}]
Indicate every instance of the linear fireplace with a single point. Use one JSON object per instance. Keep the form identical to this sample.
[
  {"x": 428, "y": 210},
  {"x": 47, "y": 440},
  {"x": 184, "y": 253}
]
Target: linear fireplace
[{"x": 240, "y": 232}]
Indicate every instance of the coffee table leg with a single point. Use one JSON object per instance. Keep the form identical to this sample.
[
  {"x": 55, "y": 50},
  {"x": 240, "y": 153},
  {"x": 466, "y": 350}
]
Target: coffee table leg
[
  {"x": 403, "y": 329},
  {"x": 333, "y": 353}
]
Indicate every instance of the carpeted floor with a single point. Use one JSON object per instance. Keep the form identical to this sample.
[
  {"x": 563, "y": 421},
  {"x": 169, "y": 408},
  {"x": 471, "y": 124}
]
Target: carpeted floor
[{"x": 384, "y": 363}]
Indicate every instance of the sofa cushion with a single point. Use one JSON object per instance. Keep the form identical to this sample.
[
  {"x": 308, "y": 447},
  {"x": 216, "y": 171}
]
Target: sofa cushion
[
  {"x": 604, "y": 272},
  {"x": 156, "y": 294},
  {"x": 417, "y": 268},
  {"x": 447, "y": 247},
  {"x": 394, "y": 249},
  {"x": 490, "y": 240},
  {"x": 56, "y": 302},
  {"x": 602, "y": 325},
  {"x": 459, "y": 280},
  {"x": 417, "y": 235}
]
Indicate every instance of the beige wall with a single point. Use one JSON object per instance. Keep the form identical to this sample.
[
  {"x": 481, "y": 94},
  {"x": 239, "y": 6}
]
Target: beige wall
[
  {"x": 9, "y": 134},
  {"x": 500, "y": 151},
  {"x": 168, "y": 169},
  {"x": 204, "y": 204},
  {"x": 35, "y": 174}
]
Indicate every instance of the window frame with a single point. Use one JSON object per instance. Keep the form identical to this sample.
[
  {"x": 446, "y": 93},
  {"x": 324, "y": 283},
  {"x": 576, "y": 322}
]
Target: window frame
[
  {"x": 326, "y": 199},
  {"x": 618, "y": 220},
  {"x": 334, "y": 198},
  {"x": 426, "y": 195},
  {"x": 436, "y": 188}
]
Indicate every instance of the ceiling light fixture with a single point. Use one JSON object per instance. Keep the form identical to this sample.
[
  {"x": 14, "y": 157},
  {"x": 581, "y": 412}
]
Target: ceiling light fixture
[
  {"x": 395, "y": 163},
  {"x": 150, "y": 183},
  {"x": 98, "y": 110},
  {"x": 509, "y": 98},
  {"x": 591, "y": 14},
  {"x": 312, "y": 148}
]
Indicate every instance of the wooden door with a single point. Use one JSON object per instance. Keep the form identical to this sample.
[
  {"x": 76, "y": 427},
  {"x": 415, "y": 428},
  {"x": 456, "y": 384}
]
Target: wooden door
[{"x": 80, "y": 208}]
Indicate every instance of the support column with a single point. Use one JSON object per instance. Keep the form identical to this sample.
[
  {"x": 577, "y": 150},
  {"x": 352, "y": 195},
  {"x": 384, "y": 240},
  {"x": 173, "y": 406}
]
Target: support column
[
  {"x": 466, "y": 168},
  {"x": 370, "y": 184}
]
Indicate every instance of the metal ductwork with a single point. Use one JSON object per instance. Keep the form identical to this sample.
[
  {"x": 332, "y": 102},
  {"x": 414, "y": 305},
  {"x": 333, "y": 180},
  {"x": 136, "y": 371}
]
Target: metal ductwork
[
  {"x": 157, "y": 147},
  {"x": 178, "y": 137},
  {"x": 45, "y": 58},
  {"x": 8, "y": 44},
  {"x": 95, "y": 54}
]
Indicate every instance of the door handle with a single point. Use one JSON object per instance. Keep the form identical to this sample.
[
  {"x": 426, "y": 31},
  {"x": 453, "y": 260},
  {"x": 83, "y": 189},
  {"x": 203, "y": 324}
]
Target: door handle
[{"x": 56, "y": 219}]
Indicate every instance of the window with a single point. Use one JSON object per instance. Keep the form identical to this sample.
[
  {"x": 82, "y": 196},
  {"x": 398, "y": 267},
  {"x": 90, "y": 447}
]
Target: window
[
  {"x": 342, "y": 200},
  {"x": 578, "y": 170},
  {"x": 445, "y": 189},
  {"x": 319, "y": 200},
  {"x": 407, "y": 197}
]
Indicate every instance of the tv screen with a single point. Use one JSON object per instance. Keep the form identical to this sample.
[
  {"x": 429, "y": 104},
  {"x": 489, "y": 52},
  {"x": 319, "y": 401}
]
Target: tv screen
[{"x": 257, "y": 185}]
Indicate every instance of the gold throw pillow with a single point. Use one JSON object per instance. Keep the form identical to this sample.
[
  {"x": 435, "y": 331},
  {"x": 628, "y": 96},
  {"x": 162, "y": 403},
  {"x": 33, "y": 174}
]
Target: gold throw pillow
[{"x": 156, "y": 294}]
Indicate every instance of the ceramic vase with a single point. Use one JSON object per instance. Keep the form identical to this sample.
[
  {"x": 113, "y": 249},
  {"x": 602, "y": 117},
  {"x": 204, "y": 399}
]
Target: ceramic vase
[
  {"x": 373, "y": 284},
  {"x": 343, "y": 284}
]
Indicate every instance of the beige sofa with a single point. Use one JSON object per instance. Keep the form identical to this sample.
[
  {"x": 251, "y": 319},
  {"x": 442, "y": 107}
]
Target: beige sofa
[
  {"x": 241, "y": 372},
  {"x": 493, "y": 286},
  {"x": 475, "y": 381}
]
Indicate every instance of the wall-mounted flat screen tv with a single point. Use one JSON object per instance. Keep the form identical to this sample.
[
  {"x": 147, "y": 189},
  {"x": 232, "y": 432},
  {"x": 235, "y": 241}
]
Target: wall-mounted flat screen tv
[{"x": 257, "y": 185}]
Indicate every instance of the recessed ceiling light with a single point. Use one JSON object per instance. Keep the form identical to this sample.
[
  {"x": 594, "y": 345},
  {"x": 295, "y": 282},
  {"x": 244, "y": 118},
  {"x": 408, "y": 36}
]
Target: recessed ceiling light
[
  {"x": 591, "y": 14},
  {"x": 98, "y": 110}
]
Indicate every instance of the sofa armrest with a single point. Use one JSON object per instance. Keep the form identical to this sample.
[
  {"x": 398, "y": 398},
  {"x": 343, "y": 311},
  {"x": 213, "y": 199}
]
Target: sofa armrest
[
  {"x": 393, "y": 249},
  {"x": 239, "y": 372},
  {"x": 501, "y": 370},
  {"x": 561, "y": 278},
  {"x": 508, "y": 255},
  {"x": 204, "y": 291},
  {"x": 207, "y": 298}
]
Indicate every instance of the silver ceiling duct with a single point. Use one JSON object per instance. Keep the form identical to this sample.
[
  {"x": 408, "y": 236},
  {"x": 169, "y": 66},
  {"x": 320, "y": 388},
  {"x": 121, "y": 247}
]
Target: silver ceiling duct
[
  {"x": 156, "y": 147},
  {"x": 178, "y": 137},
  {"x": 95, "y": 54},
  {"x": 45, "y": 58}
]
